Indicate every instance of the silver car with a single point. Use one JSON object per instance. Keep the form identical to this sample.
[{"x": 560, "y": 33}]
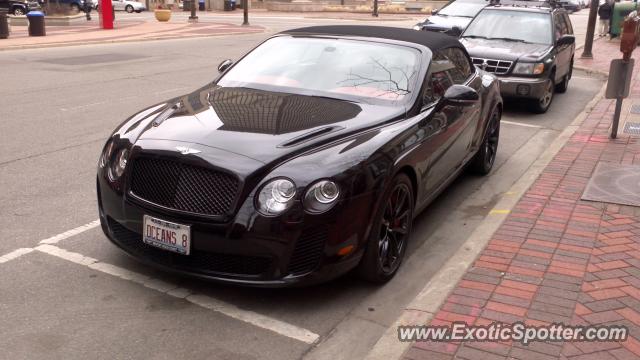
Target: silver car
[{"x": 124, "y": 5}]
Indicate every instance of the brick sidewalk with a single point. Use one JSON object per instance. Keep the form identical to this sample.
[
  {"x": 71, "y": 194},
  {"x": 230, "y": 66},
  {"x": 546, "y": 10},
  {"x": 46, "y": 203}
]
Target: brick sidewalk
[
  {"x": 123, "y": 31},
  {"x": 557, "y": 258}
]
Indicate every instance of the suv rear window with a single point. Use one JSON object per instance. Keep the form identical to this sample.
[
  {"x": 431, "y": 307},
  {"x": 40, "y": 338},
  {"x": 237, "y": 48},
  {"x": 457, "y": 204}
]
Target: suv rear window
[{"x": 525, "y": 26}]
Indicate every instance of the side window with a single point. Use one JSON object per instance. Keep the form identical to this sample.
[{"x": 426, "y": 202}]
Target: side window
[
  {"x": 463, "y": 67},
  {"x": 567, "y": 20},
  {"x": 560, "y": 26},
  {"x": 439, "y": 79}
]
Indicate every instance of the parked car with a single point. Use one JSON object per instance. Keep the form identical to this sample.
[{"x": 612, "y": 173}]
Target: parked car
[
  {"x": 126, "y": 5},
  {"x": 18, "y": 7},
  {"x": 530, "y": 49},
  {"x": 452, "y": 18},
  {"x": 571, "y": 5},
  {"x": 74, "y": 5},
  {"x": 307, "y": 158}
]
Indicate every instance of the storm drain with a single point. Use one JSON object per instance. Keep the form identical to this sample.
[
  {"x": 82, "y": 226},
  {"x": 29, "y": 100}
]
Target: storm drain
[
  {"x": 632, "y": 128},
  {"x": 635, "y": 109},
  {"x": 614, "y": 183}
]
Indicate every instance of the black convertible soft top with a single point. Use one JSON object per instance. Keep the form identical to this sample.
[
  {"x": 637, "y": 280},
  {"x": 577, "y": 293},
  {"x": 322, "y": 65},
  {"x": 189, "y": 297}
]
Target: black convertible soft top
[{"x": 432, "y": 40}]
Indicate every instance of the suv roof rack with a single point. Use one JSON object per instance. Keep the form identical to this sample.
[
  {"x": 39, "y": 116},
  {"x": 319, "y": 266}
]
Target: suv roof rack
[{"x": 527, "y": 3}]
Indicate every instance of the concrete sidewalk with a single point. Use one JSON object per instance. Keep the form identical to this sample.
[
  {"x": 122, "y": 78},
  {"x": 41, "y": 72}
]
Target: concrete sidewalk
[
  {"x": 555, "y": 258},
  {"x": 91, "y": 33}
]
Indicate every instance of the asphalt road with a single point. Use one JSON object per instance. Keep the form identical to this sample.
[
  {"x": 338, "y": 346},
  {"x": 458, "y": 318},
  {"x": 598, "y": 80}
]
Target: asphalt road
[{"x": 89, "y": 300}]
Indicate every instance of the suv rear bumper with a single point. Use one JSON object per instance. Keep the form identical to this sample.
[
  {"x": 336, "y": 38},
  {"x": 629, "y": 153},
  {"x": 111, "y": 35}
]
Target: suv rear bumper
[{"x": 522, "y": 87}]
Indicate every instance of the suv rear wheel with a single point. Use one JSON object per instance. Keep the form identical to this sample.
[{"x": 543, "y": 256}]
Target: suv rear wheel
[
  {"x": 18, "y": 11},
  {"x": 540, "y": 106}
]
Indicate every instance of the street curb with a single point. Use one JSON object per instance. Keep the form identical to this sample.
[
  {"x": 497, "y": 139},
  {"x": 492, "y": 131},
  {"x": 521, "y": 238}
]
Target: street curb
[
  {"x": 116, "y": 41},
  {"x": 426, "y": 304}
]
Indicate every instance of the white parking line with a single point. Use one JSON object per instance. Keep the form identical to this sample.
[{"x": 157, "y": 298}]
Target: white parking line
[
  {"x": 207, "y": 302},
  {"x": 69, "y": 233},
  {"x": 14, "y": 254},
  {"x": 519, "y": 124}
]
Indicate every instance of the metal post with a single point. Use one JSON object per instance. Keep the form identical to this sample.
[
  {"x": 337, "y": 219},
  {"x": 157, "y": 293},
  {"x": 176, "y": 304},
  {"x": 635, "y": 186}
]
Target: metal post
[
  {"x": 193, "y": 17},
  {"x": 245, "y": 12},
  {"x": 616, "y": 118},
  {"x": 375, "y": 8},
  {"x": 591, "y": 29}
]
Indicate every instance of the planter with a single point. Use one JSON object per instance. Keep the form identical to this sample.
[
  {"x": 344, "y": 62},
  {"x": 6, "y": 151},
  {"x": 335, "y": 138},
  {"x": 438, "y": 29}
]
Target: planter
[{"x": 162, "y": 14}]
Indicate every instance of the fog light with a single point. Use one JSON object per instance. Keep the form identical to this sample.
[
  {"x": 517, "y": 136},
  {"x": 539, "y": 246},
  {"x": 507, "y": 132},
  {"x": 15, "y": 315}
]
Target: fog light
[
  {"x": 346, "y": 250},
  {"x": 523, "y": 90}
]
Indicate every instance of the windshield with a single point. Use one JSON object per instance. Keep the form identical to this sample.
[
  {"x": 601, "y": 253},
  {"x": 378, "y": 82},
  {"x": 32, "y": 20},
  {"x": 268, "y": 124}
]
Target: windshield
[
  {"x": 336, "y": 68},
  {"x": 462, "y": 8},
  {"x": 523, "y": 26}
]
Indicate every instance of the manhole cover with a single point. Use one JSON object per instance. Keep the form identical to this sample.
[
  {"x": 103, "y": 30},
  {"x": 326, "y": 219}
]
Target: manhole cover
[
  {"x": 632, "y": 128},
  {"x": 635, "y": 109},
  {"x": 614, "y": 183}
]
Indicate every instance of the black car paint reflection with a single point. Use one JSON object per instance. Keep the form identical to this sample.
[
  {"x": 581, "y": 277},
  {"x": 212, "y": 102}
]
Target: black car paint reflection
[{"x": 244, "y": 138}]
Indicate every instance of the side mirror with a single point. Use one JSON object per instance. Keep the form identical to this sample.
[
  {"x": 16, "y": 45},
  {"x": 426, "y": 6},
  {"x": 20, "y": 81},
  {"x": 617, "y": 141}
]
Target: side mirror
[
  {"x": 461, "y": 95},
  {"x": 434, "y": 11},
  {"x": 566, "y": 40},
  {"x": 455, "y": 31},
  {"x": 224, "y": 65}
]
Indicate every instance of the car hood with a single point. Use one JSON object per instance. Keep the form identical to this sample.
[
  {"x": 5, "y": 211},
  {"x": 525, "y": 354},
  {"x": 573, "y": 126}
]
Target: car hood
[
  {"x": 504, "y": 50},
  {"x": 446, "y": 22},
  {"x": 262, "y": 125}
]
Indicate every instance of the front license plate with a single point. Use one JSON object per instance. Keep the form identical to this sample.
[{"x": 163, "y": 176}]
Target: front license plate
[{"x": 167, "y": 235}]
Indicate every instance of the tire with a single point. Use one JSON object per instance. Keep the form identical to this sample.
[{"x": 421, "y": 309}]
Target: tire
[
  {"x": 540, "y": 106},
  {"x": 18, "y": 11},
  {"x": 98, "y": 8},
  {"x": 483, "y": 160},
  {"x": 564, "y": 85},
  {"x": 390, "y": 233},
  {"x": 128, "y": 9},
  {"x": 138, "y": 11}
]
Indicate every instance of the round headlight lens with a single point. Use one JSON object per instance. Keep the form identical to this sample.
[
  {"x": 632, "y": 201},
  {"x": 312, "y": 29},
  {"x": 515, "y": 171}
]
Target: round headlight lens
[
  {"x": 117, "y": 168},
  {"x": 321, "y": 196},
  {"x": 276, "y": 196}
]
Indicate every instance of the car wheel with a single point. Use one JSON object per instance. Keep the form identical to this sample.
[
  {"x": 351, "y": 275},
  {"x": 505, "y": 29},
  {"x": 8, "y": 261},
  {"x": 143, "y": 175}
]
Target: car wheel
[
  {"x": 483, "y": 160},
  {"x": 390, "y": 232},
  {"x": 129, "y": 9},
  {"x": 138, "y": 11},
  {"x": 564, "y": 85},
  {"x": 18, "y": 11},
  {"x": 541, "y": 105}
]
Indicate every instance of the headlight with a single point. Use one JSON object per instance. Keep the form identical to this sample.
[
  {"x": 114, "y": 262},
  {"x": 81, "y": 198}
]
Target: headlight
[
  {"x": 321, "y": 196},
  {"x": 529, "y": 68},
  {"x": 117, "y": 167},
  {"x": 275, "y": 197},
  {"x": 106, "y": 154}
]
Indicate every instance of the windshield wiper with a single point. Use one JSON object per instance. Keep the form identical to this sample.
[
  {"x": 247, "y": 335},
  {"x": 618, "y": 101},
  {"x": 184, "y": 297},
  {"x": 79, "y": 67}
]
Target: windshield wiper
[
  {"x": 506, "y": 39},
  {"x": 475, "y": 37}
]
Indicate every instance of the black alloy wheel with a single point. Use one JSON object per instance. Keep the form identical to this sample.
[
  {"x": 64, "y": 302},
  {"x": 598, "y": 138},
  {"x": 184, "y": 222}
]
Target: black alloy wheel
[
  {"x": 18, "y": 11},
  {"x": 483, "y": 161},
  {"x": 390, "y": 233},
  {"x": 129, "y": 9}
]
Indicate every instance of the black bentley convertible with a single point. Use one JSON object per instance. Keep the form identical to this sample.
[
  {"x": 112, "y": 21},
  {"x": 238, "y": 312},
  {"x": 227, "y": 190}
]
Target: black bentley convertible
[{"x": 307, "y": 158}]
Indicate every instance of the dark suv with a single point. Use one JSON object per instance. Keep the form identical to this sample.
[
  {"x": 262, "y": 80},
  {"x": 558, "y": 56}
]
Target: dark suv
[
  {"x": 528, "y": 45},
  {"x": 18, "y": 7}
]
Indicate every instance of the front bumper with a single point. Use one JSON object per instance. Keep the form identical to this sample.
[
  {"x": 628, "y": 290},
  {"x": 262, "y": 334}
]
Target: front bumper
[
  {"x": 265, "y": 252},
  {"x": 521, "y": 87}
]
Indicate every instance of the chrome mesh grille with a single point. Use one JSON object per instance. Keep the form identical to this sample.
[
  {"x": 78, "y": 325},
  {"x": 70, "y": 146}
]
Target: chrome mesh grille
[{"x": 499, "y": 67}]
